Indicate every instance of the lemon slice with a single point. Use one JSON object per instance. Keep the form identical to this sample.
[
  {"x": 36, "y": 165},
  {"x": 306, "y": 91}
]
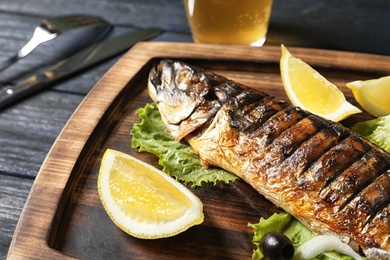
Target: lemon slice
[
  {"x": 373, "y": 95},
  {"x": 142, "y": 200},
  {"x": 308, "y": 89}
]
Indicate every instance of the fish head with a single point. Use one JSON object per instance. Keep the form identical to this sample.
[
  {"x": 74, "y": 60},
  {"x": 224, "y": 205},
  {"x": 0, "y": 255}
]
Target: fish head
[{"x": 184, "y": 97}]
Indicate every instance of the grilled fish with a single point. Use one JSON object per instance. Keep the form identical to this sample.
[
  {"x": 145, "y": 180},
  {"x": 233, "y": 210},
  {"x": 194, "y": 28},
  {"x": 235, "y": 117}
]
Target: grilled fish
[{"x": 325, "y": 175}]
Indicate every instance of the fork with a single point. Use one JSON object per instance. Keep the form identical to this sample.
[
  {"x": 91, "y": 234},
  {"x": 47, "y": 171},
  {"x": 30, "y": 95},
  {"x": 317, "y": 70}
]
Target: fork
[{"x": 52, "y": 27}]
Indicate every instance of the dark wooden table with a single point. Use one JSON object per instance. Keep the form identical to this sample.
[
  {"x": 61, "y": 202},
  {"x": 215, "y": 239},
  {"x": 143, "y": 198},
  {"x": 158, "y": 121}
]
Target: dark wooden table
[{"x": 29, "y": 128}]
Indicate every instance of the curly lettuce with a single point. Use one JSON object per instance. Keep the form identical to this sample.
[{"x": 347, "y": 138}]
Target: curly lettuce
[
  {"x": 376, "y": 130},
  {"x": 177, "y": 159},
  {"x": 293, "y": 229}
]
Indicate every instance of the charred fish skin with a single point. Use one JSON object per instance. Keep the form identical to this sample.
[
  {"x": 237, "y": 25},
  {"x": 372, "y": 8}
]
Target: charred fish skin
[{"x": 325, "y": 175}]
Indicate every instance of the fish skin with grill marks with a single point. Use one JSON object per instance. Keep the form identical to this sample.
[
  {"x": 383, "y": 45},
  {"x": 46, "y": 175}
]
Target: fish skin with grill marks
[{"x": 330, "y": 178}]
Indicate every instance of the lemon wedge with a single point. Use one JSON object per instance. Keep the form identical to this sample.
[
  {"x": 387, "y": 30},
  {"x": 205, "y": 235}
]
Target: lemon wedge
[
  {"x": 373, "y": 95},
  {"x": 142, "y": 200},
  {"x": 308, "y": 89}
]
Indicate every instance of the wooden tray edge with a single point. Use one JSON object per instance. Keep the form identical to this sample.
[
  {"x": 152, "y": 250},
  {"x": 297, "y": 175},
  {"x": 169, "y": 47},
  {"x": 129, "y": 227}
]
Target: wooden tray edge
[{"x": 43, "y": 201}]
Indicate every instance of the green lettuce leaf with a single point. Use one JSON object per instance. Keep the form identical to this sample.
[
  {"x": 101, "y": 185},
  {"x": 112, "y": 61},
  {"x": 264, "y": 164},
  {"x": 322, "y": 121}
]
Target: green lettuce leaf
[
  {"x": 376, "y": 130},
  {"x": 178, "y": 159},
  {"x": 276, "y": 223},
  {"x": 298, "y": 233},
  {"x": 293, "y": 229}
]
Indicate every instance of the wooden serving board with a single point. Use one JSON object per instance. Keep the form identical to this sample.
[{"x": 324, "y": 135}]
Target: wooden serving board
[{"x": 63, "y": 216}]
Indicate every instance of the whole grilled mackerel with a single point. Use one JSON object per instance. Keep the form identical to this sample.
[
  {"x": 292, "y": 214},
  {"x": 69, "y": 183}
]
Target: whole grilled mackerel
[{"x": 325, "y": 175}]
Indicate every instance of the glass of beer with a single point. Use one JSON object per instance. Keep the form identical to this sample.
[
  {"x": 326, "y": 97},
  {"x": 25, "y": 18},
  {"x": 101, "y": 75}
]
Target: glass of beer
[{"x": 229, "y": 21}]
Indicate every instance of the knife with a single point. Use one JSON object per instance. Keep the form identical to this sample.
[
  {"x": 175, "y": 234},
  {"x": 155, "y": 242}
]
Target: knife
[{"x": 77, "y": 62}]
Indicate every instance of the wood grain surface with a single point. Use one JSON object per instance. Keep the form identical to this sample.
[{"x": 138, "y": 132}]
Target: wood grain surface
[
  {"x": 29, "y": 128},
  {"x": 72, "y": 222}
]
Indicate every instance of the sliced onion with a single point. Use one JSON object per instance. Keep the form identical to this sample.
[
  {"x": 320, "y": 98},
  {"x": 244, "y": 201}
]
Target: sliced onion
[{"x": 323, "y": 243}]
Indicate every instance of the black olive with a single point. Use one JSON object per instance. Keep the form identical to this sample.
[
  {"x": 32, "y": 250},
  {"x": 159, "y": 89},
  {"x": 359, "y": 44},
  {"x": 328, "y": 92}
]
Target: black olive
[{"x": 276, "y": 246}]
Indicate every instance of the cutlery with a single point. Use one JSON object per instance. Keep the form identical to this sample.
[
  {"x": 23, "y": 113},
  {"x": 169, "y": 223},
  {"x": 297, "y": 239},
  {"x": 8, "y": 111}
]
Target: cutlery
[
  {"x": 52, "y": 27},
  {"x": 75, "y": 63}
]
